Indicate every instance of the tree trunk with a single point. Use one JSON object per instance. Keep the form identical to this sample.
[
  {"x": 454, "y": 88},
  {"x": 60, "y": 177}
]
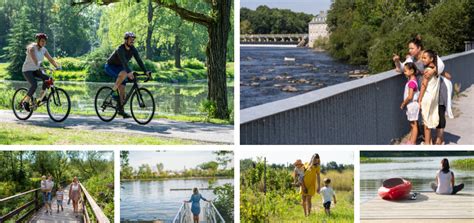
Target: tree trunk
[
  {"x": 216, "y": 58},
  {"x": 149, "y": 33},
  {"x": 177, "y": 53}
]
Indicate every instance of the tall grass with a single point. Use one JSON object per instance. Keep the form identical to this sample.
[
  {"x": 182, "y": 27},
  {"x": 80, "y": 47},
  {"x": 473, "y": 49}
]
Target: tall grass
[
  {"x": 282, "y": 202},
  {"x": 463, "y": 164}
]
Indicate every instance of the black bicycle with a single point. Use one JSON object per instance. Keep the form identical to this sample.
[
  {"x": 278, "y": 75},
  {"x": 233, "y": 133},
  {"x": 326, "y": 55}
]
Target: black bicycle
[
  {"x": 142, "y": 104},
  {"x": 57, "y": 101}
]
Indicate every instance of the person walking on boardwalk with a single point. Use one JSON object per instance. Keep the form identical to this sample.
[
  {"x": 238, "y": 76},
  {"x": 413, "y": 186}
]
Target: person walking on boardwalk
[
  {"x": 196, "y": 206},
  {"x": 75, "y": 195},
  {"x": 311, "y": 178},
  {"x": 445, "y": 180},
  {"x": 46, "y": 188}
]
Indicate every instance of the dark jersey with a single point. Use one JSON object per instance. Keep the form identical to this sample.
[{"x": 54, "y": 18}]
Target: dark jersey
[{"x": 121, "y": 56}]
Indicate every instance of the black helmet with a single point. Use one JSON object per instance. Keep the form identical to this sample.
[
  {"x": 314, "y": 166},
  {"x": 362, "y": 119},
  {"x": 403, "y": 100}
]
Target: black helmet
[
  {"x": 129, "y": 34},
  {"x": 39, "y": 36}
]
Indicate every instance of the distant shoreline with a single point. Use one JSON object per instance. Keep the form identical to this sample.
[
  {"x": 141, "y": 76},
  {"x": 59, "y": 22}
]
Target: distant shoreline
[
  {"x": 269, "y": 45},
  {"x": 178, "y": 178}
]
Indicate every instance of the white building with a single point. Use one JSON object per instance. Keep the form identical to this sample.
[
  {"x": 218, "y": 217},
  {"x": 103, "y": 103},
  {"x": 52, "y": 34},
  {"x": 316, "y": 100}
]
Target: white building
[{"x": 318, "y": 28}]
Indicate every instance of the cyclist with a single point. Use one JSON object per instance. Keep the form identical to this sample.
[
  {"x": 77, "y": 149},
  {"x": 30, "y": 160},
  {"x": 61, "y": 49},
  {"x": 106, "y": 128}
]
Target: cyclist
[
  {"x": 117, "y": 67},
  {"x": 35, "y": 53}
]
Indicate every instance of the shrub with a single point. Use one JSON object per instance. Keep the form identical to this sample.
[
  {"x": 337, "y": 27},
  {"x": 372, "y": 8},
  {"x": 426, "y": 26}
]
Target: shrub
[
  {"x": 95, "y": 64},
  {"x": 193, "y": 64},
  {"x": 150, "y": 65}
]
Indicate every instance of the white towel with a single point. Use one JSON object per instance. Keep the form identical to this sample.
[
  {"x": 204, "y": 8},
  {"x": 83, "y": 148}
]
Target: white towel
[{"x": 449, "y": 87}]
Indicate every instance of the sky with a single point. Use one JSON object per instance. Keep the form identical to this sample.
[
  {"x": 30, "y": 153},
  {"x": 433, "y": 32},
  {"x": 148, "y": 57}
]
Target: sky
[
  {"x": 291, "y": 155},
  {"x": 172, "y": 160},
  {"x": 306, "y": 6}
]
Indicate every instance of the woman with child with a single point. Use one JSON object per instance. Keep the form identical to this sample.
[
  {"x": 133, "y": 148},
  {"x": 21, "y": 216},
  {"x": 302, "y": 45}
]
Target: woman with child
[{"x": 435, "y": 90}]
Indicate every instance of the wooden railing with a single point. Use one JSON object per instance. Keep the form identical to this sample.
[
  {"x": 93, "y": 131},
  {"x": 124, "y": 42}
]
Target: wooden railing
[
  {"x": 99, "y": 215},
  {"x": 35, "y": 203}
]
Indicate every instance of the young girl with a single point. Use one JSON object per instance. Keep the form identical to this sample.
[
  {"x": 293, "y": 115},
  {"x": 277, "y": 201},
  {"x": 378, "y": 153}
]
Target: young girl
[
  {"x": 59, "y": 198},
  {"x": 299, "y": 175},
  {"x": 410, "y": 100},
  {"x": 429, "y": 94}
]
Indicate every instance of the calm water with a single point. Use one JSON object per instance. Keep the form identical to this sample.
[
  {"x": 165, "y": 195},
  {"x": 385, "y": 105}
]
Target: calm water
[
  {"x": 171, "y": 99},
  {"x": 314, "y": 69},
  {"x": 153, "y": 200},
  {"x": 420, "y": 171}
]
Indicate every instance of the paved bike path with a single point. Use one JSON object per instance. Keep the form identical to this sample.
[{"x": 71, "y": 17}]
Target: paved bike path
[{"x": 205, "y": 132}]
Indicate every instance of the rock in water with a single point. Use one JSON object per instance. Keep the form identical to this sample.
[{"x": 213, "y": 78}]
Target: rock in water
[
  {"x": 254, "y": 84},
  {"x": 289, "y": 88}
]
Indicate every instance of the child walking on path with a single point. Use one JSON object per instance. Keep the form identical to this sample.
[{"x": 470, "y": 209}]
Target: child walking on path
[
  {"x": 59, "y": 198},
  {"x": 299, "y": 175},
  {"x": 410, "y": 100},
  {"x": 327, "y": 193}
]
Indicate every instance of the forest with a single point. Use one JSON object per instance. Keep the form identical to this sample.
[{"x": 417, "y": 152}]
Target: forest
[
  {"x": 21, "y": 171},
  {"x": 265, "y": 20},
  {"x": 369, "y": 32},
  {"x": 267, "y": 193},
  {"x": 172, "y": 38}
]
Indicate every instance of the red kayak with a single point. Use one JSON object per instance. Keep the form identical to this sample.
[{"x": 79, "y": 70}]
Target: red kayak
[{"x": 395, "y": 189}]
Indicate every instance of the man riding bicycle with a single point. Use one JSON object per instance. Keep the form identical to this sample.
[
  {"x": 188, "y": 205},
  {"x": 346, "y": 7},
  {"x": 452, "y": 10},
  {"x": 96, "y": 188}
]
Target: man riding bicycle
[
  {"x": 117, "y": 67},
  {"x": 35, "y": 53}
]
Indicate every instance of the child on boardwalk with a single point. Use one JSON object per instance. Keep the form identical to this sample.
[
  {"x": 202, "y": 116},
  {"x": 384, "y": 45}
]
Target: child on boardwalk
[
  {"x": 429, "y": 94},
  {"x": 299, "y": 175},
  {"x": 327, "y": 193},
  {"x": 59, "y": 198},
  {"x": 410, "y": 100}
]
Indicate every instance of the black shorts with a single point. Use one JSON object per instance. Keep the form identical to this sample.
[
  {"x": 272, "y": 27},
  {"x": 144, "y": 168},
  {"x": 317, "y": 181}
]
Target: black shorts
[
  {"x": 327, "y": 205},
  {"x": 442, "y": 117}
]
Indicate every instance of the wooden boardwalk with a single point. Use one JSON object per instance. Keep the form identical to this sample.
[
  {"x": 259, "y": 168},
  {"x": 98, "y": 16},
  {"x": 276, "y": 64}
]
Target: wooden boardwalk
[
  {"x": 429, "y": 207},
  {"x": 63, "y": 216}
]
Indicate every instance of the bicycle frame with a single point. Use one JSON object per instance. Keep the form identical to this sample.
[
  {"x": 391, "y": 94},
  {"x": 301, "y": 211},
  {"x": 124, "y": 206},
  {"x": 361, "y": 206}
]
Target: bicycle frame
[{"x": 135, "y": 87}]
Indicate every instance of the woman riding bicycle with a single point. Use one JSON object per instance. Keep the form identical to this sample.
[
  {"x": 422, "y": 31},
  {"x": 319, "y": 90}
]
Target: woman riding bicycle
[
  {"x": 35, "y": 53},
  {"x": 117, "y": 67}
]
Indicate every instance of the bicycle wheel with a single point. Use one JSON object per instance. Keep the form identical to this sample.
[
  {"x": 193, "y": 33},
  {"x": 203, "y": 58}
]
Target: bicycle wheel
[
  {"x": 58, "y": 105},
  {"x": 105, "y": 105},
  {"x": 142, "y": 106},
  {"x": 18, "y": 110}
]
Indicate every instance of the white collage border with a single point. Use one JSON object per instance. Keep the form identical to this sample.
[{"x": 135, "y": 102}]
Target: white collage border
[{"x": 237, "y": 148}]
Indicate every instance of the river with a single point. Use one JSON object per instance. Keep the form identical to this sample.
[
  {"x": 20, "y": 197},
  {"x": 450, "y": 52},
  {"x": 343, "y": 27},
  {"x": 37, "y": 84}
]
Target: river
[
  {"x": 171, "y": 99},
  {"x": 264, "y": 72},
  {"x": 421, "y": 171},
  {"x": 154, "y": 201}
]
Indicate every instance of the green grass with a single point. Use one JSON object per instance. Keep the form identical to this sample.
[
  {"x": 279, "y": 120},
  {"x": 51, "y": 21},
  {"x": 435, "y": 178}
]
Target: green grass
[
  {"x": 15, "y": 134},
  {"x": 284, "y": 204},
  {"x": 343, "y": 211},
  {"x": 463, "y": 164},
  {"x": 375, "y": 160}
]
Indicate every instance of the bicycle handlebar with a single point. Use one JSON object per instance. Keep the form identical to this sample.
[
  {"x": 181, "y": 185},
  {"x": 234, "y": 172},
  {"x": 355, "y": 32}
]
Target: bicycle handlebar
[{"x": 136, "y": 74}]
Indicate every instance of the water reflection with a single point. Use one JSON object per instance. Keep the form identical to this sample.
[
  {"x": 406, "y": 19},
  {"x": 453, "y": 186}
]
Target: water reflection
[{"x": 171, "y": 99}]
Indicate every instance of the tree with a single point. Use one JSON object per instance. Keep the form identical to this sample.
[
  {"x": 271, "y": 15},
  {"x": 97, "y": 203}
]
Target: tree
[
  {"x": 218, "y": 27},
  {"x": 217, "y": 22},
  {"x": 20, "y": 35},
  {"x": 144, "y": 171},
  {"x": 224, "y": 157},
  {"x": 159, "y": 168},
  {"x": 210, "y": 166}
]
